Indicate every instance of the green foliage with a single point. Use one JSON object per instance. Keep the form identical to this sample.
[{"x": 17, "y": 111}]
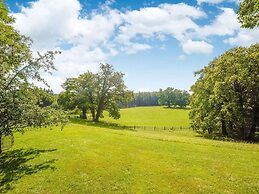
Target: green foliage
[
  {"x": 96, "y": 92},
  {"x": 173, "y": 97},
  {"x": 248, "y": 13},
  {"x": 225, "y": 98},
  {"x": 19, "y": 99},
  {"x": 143, "y": 99}
]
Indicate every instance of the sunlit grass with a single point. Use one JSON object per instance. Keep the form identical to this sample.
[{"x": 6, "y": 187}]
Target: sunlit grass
[
  {"x": 151, "y": 116},
  {"x": 88, "y": 159}
]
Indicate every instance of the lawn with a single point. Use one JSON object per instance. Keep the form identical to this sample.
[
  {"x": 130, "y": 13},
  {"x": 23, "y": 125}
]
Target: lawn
[
  {"x": 92, "y": 159},
  {"x": 151, "y": 116}
]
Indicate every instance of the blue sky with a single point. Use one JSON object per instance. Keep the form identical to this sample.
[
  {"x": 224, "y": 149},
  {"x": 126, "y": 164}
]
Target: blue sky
[{"x": 155, "y": 43}]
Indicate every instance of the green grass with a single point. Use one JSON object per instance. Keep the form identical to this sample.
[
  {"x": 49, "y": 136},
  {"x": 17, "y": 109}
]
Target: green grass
[
  {"x": 151, "y": 116},
  {"x": 88, "y": 159}
]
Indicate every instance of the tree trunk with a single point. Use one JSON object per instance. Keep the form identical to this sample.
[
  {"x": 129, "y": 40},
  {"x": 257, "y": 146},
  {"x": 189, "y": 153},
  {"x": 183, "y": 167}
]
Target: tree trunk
[
  {"x": 93, "y": 114},
  {"x": 0, "y": 144},
  {"x": 83, "y": 116},
  {"x": 98, "y": 113},
  {"x": 253, "y": 127},
  {"x": 224, "y": 128}
]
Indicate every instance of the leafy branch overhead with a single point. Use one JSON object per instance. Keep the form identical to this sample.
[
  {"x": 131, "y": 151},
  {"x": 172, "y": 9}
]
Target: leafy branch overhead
[
  {"x": 19, "y": 98},
  {"x": 248, "y": 13}
]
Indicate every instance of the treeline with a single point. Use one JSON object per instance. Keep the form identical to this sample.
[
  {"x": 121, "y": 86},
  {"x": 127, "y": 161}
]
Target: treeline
[{"x": 169, "y": 97}]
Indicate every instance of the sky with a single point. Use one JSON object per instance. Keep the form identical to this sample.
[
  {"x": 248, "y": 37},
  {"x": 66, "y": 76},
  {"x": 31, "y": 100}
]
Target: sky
[{"x": 157, "y": 43}]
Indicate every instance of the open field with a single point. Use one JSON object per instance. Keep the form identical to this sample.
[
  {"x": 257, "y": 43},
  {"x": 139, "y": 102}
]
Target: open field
[
  {"x": 87, "y": 159},
  {"x": 151, "y": 116}
]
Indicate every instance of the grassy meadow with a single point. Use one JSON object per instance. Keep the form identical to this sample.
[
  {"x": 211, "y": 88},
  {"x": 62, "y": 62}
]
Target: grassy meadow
[
  {"x": 96, "y": 159},
  {"x": 151, "y": 116}
]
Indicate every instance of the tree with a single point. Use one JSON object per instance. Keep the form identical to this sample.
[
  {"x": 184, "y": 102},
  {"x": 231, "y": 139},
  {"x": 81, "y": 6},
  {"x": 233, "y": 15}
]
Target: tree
[
  {"x": 167, "y": 97},
  {"x": 19, "y": 102},
  {"x": 97, "y": 92},
  {"x": 143, "y": 99},
  {"x": 182, "y": 98},
  {"x": 173, "y": 97},
  {"x": 79, "y": 93},
  {"x": 248, "y": 13},
  {"x": 225, "y": 98}
]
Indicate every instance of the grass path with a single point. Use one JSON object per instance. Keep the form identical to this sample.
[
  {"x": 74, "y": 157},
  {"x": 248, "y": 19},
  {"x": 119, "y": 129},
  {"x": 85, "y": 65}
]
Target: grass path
[{"x": 86, "y": 159}]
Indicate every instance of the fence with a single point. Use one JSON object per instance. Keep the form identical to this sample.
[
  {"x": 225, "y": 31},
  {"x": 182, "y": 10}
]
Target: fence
[{"x": 154, "y": 128}]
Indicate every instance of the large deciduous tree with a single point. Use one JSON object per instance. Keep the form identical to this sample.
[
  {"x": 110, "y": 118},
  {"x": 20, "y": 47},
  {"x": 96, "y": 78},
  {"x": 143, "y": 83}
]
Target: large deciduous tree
[
  {"x": 96, "y": 92},
  {"x": 173, "y": 97},
  {"x": 19, "y": 99},
  {"x": 248, "y": 13},
  {"x": 225, "y": 98}
]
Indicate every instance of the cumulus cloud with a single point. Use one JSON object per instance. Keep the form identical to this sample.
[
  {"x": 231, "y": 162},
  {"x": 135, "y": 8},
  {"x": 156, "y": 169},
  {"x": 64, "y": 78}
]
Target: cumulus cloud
[
  {"x": 58, "y": 25},
  {"x": 48, "y": 22},
  {"x": 132, "y": 48},
  {"x": 87, "y": 39},
  {"x": 166, "y": 19},
  {"x": 225, "y": 23},
  {"x": 214, "y": 1},
  {"x": 244, "y": 37},
  {"x": 202, "y": 47}
]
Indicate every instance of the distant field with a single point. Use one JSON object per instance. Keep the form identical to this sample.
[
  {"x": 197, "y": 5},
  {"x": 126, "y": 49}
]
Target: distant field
[
  {"x": 97, "y": 159},
  {"x": 151, "y": 116}
]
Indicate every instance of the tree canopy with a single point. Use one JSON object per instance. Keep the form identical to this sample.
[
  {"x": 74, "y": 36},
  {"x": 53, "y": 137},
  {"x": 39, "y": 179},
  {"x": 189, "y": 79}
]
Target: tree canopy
[
  {"x": 19, "y": 99},
  {"x": 248, "y": 13},
  {"x": 225, "y": 98},
  {"x": 96, "y": 93},
  {"x": 171, "y": 97}
]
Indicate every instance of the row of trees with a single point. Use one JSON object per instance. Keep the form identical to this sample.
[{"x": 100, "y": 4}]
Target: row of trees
[
  {"x": 20, "y": 100},
  {"x": 169, "y": 97},
  {"x": 225, "y": 98},
  {"x": 95, "y": 93},
  {"x": 143, "y": 99}
]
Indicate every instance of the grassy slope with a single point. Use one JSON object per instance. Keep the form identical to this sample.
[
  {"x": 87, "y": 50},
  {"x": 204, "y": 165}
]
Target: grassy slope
[
  {"x": 151, "y": 116},
  {"x": 83, "y": 159}
]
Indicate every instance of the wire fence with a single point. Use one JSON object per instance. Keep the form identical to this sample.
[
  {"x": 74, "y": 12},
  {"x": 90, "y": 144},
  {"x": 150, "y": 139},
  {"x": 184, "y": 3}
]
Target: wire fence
[{"x": 156, "y": 128}]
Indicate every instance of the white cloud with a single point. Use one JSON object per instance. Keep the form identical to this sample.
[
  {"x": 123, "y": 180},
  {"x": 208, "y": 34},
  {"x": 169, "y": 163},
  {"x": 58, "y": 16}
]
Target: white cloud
[
  {"x": 224, "y": 24},
  {"x": 214, "y": 1},
  {"x": 244, "y": 37},
  {"x": 48, "y": 22},
  {"x": 181, "y": 57},
  {"x": 53, "y": 24},
  {"x": 166, "y": 19},
  {"x": 202, "y": 47},
  {"x": 88, "y": 39},
  {"x": 173, "y": 20},
  {"x": 132, "y": 48}
]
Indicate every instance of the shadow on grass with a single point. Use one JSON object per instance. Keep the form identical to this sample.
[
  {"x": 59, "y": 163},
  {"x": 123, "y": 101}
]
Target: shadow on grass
[
  {"x": 101, "y": 124},
  {"x": 219, "y": 137},
  {"x": 14, "y": 166}
]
